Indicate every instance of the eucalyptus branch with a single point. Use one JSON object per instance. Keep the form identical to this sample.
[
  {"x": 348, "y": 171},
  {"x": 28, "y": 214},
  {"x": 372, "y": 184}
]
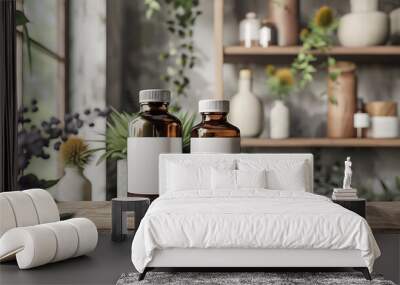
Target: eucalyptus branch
[
  {"x": 180, "y": 56},
  {"x": 316, "y": 38}
]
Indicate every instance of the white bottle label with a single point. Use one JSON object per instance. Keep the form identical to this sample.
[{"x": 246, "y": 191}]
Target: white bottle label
[
  {"x": 143, "y": 153},
  {"x": 215, "y": 145}
]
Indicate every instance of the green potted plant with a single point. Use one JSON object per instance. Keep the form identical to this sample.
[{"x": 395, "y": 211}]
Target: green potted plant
[
  {"x": 116, "y": 143},
  {"x": 280, "y": 83},
  {"x": 74, "y": 186},
  {"x": 115, "y": 139}
]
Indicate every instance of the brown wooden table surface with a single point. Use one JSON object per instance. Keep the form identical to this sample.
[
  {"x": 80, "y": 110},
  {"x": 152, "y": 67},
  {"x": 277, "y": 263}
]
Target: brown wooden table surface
[{"x": 381, "y": 216}]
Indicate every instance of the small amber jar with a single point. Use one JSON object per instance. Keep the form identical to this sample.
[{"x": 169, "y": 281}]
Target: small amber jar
[{"x": 214, "y": 133}]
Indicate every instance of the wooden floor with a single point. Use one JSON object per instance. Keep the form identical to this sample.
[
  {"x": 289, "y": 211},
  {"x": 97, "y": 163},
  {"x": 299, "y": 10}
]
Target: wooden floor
[{"x": 103, "y": 266}]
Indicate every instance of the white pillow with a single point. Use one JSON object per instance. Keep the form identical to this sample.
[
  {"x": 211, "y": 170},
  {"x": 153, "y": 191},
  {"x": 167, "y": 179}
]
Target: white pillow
[
  {"x": 237, "y": 179},
  {"x": 251, "y": 178},
  {"x": 223, "y": 179},
  {"x": 282, "y": 174},
  {"x": 181, "y": 177},
  {"x": 188, "y": 175}
]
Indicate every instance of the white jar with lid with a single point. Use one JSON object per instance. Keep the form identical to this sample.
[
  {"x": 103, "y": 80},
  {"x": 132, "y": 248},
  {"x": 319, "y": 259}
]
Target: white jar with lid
[{"x": 249, "y": 30}]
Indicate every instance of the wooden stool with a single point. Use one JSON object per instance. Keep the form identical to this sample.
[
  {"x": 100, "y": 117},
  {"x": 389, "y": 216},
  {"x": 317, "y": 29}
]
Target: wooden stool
[{"x": 120, "y": 207}]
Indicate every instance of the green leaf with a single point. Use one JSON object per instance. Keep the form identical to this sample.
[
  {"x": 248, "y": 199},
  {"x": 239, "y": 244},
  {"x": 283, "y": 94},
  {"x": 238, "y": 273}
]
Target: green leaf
[
  {"x": 398, "y": 182},
  {"x": 20, "y": 18}
]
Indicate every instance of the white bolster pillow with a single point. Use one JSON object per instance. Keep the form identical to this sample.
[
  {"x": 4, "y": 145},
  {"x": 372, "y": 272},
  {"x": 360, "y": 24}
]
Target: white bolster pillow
[{"x": 40, "y": 244}]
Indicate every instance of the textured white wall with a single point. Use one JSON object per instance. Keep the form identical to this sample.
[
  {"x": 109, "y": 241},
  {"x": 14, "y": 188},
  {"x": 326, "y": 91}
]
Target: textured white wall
[{"x": 88, "y": 76}]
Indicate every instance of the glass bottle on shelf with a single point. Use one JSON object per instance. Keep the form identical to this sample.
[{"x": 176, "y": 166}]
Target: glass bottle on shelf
[
  {"x": 268, "y": 34},
  {"x": 214, "y": 134},
  {"x": 249, "y": 30},
  {"x": 152, "y": 132},
  {"x": 361, "y": 119}
]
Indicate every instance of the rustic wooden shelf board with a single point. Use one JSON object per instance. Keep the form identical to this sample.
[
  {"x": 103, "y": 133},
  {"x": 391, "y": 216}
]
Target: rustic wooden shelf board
[
  {"x": 384, "y": 217},
  {"x": 381, "y": 216},
  {"x": 319, "y": 142},
  {"x": 375, "y": 54}
]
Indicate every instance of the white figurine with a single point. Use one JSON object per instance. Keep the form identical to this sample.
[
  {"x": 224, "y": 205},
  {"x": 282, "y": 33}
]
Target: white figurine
[{"x": 347, "y": 174}]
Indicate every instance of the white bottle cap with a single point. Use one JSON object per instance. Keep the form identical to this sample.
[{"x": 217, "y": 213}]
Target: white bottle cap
[
  {"x": 245, "y": 74},
  {"x": 251, "y": 15},
  {"x": 213, "y": 106},
  {"x": 154, "y": 95}
]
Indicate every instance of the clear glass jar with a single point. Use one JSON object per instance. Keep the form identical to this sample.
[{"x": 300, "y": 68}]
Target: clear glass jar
[{"x": 214, "y": 133}]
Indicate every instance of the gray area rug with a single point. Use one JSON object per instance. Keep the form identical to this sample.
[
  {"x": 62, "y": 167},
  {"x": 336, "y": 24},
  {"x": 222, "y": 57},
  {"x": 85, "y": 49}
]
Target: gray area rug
[{"x": 232, "y": 278}]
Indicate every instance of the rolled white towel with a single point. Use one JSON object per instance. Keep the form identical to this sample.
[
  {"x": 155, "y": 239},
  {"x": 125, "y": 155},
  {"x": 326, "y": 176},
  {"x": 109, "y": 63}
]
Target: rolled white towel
[
  {"x": 7, "y": 218},
  {"x": 23, "y": 208},
  {"x": 37, "y": 245},
  {"x": 45, "y": 205},
  {"x": 67, "y": 240},
  {"x": 32, "y": 246},
  {"x": 87, "y": 235}
]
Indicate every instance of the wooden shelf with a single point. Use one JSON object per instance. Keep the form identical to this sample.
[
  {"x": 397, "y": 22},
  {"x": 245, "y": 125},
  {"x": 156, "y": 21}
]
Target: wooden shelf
[
  {"x": 375, "y": 54},
  {"x": 319, "y": 142}
]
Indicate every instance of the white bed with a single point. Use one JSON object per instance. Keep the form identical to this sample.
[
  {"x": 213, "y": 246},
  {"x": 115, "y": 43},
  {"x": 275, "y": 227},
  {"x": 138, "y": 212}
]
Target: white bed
[{"x": 201, "y": 220}]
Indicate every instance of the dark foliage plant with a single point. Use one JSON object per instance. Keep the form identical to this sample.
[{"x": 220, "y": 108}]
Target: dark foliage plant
[{"x": 36, "y": 140}]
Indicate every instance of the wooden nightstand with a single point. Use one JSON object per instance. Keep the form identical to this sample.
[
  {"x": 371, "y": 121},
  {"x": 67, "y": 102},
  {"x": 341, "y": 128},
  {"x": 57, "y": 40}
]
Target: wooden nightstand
[{"x": 357, "y": 206}]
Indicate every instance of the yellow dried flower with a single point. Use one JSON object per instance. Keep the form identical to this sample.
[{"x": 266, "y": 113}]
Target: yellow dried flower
[
  {"x": 324, "y": 17},
  {"x": 74, "y": 152},
  {"x": 270, "y": 70},
  {"x": 285, "y": 76},
  {"x": 304, "y": 34}
]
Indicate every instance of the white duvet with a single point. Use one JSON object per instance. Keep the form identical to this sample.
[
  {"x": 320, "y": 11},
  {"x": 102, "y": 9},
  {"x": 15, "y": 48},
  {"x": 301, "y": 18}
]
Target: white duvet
[{"x": 250, "y": 219}]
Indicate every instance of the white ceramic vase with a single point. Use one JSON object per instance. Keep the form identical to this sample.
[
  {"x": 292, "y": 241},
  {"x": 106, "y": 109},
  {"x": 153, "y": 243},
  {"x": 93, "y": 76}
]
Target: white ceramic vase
[
  {"x": 364, "y": 26},
  {"x": 279, "y": 120},
  {"x": 73, "y": 186},
  {"x": 363, "y": 6},
  {"x": 122, "y": 178},
  {"x": 246, "y": 110}
]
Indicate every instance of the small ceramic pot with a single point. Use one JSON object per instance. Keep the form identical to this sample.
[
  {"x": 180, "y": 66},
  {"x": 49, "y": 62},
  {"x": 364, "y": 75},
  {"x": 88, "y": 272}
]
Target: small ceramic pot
[
  {"x": 279, "y": 120},
  {"x": 384, "y": 127},
  {"x": 363, "y": 29},
  {"x": 363, "y": 6}
]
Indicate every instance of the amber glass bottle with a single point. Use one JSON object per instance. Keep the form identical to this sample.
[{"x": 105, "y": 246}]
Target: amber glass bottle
[
  {"x": 214, "y": 133},
  {"x": 152, "y": 132},
  {"x": 153, "y": 119}
]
